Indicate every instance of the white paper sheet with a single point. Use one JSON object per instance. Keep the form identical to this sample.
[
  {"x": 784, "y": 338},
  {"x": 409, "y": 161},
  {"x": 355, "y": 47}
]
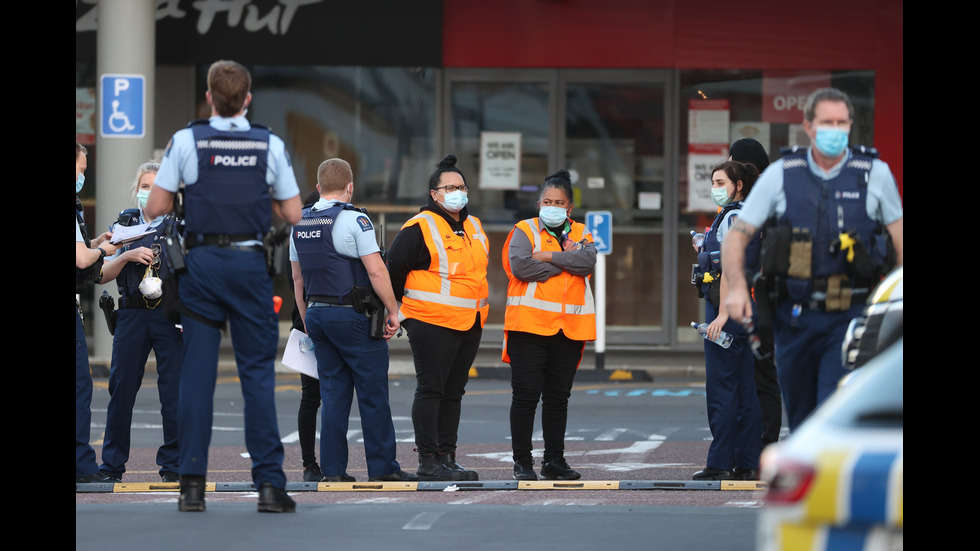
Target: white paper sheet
[
  {"x": 293, "y": 358},
  {"x": 123, "y": 235}
]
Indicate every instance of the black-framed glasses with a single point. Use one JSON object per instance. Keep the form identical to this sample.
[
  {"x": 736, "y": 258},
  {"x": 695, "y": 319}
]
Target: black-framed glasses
[{"x": 450, "y": 189}]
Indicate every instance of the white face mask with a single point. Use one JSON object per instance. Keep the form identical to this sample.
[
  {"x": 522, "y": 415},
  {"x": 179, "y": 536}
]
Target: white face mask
[
  {"x": 151, "y": 287},
  {"x": 455, "y": 201},
  {"x": 552, "y": 216}
]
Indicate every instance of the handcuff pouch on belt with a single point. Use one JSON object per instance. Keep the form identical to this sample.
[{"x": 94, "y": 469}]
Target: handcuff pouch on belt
[
  {"x": 276, "y": 245},
  {"x": 368, "y": 303}
]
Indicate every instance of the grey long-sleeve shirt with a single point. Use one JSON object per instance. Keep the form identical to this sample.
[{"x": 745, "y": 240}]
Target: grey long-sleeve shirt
[{"x": 578, "y": 262}]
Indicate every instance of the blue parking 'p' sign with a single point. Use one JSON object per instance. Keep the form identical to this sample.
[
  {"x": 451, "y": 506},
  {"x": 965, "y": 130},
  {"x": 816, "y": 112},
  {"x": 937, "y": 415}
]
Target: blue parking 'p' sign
[
  {"x": 599, "y": 224},
  {"x": 122, "y": 100}
]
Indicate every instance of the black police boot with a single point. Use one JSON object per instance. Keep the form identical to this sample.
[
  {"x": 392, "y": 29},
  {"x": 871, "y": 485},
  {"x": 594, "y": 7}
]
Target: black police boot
[
  {"x": 191, "y": 493},
  {"x": 524, "y": 470},
  {"x": 711, "y": 473},
  {"x": 430, "y": 468},
  {"x": 449, "y": 460},
  {"x": 397, "y": 476},
  {"x": 558, "y": 469},
  {"x": 745, "y": 474},
  {"x": 275, "y": 500}
]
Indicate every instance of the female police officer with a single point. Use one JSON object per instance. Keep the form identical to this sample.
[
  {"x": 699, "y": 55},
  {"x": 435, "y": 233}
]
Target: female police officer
[
  {"x": 733, "y": 405},
  {"x": 438, "y": 266},
  {"x": 550, "y": 315},
  {"x": 141, "y": 326}
]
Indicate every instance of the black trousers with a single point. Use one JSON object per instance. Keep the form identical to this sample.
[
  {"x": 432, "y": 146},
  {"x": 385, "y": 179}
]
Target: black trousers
[
  {"x": 541, "y": 368},
  {"x": 443, "y": 358},
  {"x": 767, "y": 386},
  {"x": 309, "y": 404}
]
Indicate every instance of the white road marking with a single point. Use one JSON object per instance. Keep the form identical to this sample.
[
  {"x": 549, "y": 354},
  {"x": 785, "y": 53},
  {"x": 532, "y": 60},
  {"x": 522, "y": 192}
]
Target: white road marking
[{"x": 422, "y": 521}]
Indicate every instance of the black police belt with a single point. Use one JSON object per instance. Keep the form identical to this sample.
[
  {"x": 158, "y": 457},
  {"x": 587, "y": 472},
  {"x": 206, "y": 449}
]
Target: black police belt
[
  {"x": 315, "y": 301},
  {"x": 137, "y": 300},
  {"x": 224, "y": 241}
]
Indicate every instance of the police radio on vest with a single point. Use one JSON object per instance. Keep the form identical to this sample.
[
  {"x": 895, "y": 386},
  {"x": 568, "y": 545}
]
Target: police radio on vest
[{"x": 229, "y": 160}]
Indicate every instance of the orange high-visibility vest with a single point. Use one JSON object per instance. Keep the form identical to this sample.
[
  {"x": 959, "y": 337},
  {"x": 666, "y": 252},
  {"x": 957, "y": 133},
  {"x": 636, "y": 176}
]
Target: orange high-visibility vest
[
  {"x": 454, "y": 287},
  {"x": 563, "y": 302}
]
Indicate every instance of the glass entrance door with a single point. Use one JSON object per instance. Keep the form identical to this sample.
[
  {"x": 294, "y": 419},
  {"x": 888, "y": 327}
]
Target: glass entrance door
[{"x": 614, "y": 145}]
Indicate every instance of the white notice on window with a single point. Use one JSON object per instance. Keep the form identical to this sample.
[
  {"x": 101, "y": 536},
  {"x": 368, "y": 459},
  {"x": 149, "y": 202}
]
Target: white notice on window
[{"x": 500, "y": 160}]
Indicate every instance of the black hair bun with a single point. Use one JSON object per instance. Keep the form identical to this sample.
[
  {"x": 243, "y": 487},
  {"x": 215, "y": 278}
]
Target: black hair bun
[
  {"x": 561, "y": 175},
  {"x": 449, "y": 161}
]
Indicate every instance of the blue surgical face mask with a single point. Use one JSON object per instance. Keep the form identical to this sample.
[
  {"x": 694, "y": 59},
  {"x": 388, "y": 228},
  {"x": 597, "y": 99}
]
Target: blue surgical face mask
[
  {"x": 552, "y": 216},
  {"x": 720, "y": 196},
  {"x": 141, "y": 197},
  {"x": 831, "y": 140},
  {"x": 79, "y": 182},
  {"x": 455, "y": 201}
]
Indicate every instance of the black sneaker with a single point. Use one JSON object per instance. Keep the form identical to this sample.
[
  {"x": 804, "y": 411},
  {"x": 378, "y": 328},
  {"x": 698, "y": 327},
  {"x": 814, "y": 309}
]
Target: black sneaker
[
  {"x": 275, "y": 500},
  {"x": 745, "y": 474},
  {"x": 558, "y": 469},
  {"x": 339, "y": 478},
  {"x": 168, "y": 476},
  {"x": 711, "y": 473},
  {"x": 397, "y": 476},
  {"x": 191, "y": 493},
  {"x": 524, "y": 470},
  {"x": 312, "y": 473}
]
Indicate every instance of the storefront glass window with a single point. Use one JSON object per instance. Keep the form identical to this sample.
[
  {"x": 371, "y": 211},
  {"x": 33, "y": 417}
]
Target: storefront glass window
[
  {"x": 615, "y": 152},
  {"x": 379, "y": 119}
]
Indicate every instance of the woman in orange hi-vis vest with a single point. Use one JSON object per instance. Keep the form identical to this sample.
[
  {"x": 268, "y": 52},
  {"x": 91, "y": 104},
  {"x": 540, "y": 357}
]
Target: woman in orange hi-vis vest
[
  {"x": 550, "y": 315},
  {"x": 438, "y": 267}
]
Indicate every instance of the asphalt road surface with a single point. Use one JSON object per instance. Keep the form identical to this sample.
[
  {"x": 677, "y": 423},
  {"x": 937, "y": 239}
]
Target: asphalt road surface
[{"x": 645, "y": 436}]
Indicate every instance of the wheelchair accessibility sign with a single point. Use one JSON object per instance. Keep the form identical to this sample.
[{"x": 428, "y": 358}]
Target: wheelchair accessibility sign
[
  {"x": 122, "y": 101},
  {"x": 599, "y": 224}
]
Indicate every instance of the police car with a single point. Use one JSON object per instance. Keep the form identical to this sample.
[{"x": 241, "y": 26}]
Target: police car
[
  {"x": 837, "y": 481},
  {"x": 879, "y": 325}
]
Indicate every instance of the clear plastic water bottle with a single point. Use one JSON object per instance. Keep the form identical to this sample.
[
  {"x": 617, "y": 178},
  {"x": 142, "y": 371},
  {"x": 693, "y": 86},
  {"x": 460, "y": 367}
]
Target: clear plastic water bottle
[
  {"x": 306, "y": 345},
  {"x": 724, "y": 340},
  {"x": 697, "y": 239}
]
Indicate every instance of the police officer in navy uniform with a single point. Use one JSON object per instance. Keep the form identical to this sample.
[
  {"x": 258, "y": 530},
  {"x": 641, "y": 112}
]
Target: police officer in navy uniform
[
  {"x": 89, "y": 257},
  {"x": 139, "y": 269},
  {"x": 835, "y": 210},
  {"x": 734, "y": 416},
  {"x": 231, "y": 170},
  {"x": 336, "y": 259}
]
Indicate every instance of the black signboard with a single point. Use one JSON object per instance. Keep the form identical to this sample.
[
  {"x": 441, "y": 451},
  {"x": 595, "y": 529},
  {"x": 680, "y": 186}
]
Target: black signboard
[{"x": 394, "y": 33}]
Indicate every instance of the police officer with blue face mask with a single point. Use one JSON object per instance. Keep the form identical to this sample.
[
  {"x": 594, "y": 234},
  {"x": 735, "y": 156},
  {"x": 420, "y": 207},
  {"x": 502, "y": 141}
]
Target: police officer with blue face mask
[
  {"x": 232, "y": 172},
  {"x": 89, "y": 257},
  {"x": 139, "y": 269},
  {"x": 839, "y": 228}
]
